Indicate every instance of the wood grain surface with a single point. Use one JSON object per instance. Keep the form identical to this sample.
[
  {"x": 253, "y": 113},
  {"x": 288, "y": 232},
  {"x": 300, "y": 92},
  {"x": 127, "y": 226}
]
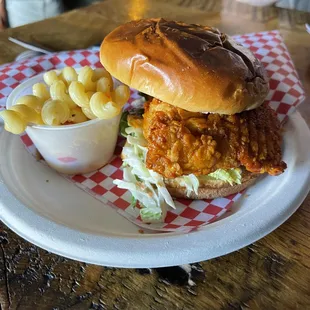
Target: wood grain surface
[{"x": 273, "y": 273}]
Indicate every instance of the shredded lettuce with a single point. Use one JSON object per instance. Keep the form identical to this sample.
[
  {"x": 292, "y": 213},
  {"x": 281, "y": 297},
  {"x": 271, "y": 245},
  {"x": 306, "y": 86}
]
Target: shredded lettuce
[
  {"x": 137, "y": 110},
  {"x": 133, "y": 202},
  {"x": 190, "y": 182},
  {"x": 150, "y": 215},
  {"x": 148, "y": 187},
  {"x": 145, "y": 185},
  {"x": 123, "y": 124},
  {"x": 230, "y": 176}
]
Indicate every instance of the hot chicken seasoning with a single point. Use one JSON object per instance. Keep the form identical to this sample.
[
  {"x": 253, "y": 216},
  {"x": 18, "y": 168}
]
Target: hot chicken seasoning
[{"x": 285, "y": 93}]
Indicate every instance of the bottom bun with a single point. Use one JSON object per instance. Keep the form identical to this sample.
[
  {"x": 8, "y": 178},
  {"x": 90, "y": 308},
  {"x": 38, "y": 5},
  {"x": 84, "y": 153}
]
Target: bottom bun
[{"x": 213, "y": 189}]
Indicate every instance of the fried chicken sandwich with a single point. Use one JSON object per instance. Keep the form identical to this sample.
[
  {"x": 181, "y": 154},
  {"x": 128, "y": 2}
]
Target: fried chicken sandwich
[{"x": 205, "y": 131}]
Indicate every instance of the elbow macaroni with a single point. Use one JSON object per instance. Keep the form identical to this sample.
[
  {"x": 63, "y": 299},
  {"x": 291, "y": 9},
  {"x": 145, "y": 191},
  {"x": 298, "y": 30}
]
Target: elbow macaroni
[
  {"x": 28, "y": 114},
  {"x": 78, "y": 94},
  {"x": 103, "y": 107},
  {"x": 13, "y": 122},
  {"x": 68, "y": 97},
  {"x": 90, "y": 94},
  {"x": 69, "y": 74},
  {"x": 17, "y": 118},
  {"x": 104, "y": 85},
  {"x": 31, "y": 101},
  {"x": 58, "y": 91},
  {"x": 77, "y": 116},
  {"x": 40, "y": 90},
  {"x": 85, "y": 76},
  {"x": 50, "y": 77},
  {"x": 100, "y": 73},
  {"x": 88, "y": 112},
  {"x": 55, "y": 112},
  {"x": 121, "y": 94}
]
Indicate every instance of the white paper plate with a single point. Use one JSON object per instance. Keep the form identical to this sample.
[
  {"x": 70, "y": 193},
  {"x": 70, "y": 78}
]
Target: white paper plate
[{"x": 54, "y": 214}]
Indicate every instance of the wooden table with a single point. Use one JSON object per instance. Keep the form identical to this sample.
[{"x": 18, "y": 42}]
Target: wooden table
[{"x": 273, "y": 273}]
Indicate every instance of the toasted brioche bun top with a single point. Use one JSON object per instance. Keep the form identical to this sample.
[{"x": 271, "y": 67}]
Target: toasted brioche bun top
[{"x": 193, "y": 67}]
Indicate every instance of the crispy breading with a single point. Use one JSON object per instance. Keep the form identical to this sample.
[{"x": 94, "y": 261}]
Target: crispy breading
[{"x": 182, "y": 142}]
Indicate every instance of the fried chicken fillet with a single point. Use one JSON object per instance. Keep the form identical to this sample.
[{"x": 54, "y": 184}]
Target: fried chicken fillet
[{"x": 182, "y": 142}]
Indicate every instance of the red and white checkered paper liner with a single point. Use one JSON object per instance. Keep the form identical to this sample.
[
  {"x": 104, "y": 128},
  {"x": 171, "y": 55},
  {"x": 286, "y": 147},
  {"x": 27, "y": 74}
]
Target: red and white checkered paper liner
[{"x": 285, "y": 94}]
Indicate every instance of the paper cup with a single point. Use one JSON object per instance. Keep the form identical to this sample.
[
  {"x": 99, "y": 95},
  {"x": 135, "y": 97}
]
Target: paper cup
[{"x": 71, "y": 149}]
